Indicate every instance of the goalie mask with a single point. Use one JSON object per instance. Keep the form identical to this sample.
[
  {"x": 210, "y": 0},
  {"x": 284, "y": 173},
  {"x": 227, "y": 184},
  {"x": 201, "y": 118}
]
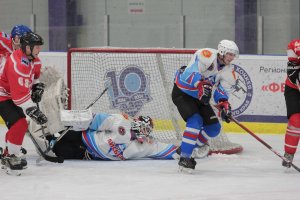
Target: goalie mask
[{"x": 142, "y": 126}]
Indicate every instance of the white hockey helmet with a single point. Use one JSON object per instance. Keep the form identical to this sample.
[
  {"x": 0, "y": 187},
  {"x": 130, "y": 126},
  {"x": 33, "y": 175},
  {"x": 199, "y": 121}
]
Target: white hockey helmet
[{"x": 228, "y": 46}]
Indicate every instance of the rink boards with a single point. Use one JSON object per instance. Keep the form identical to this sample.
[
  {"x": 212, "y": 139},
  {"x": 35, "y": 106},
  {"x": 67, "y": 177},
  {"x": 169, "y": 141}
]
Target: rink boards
[{"x": 259, "y": 104}]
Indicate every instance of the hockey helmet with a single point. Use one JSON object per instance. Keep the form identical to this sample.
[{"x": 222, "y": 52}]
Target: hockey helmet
[
  {"x": 20, "y": 30},
  {"x": 293, "y": 51},
  {"x": 142, "y": 126},
  {"x": 228, "y": 46},
  {"x": 31, "y": 39}
]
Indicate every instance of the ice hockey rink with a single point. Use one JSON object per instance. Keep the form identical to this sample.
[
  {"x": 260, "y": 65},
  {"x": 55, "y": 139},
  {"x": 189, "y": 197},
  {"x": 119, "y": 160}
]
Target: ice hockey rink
[{"x": 256, "y": 173}]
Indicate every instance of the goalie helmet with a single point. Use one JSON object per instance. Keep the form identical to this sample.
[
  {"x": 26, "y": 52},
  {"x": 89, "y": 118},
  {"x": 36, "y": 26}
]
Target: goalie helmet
[
  {"x": 20, "y": 30},
  {"x": 142, "y": 126},
  {"x": 228, "y": 46}
]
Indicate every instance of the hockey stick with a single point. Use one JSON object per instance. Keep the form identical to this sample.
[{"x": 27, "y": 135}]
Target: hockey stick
[
  {"x": 264, "y": 143},
  {"x": 44, "y": 155},
  {"x": 42, "y": 126},
  {"x": 53, "y": 142}
]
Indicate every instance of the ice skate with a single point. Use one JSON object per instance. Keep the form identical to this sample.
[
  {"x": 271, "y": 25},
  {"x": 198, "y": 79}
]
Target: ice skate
[
  {"x": 13, "y": 164},
  {"x": 5, "y": 153},
  {"x": 289, "y": 157},
  {"x": 186, "y": 164}
]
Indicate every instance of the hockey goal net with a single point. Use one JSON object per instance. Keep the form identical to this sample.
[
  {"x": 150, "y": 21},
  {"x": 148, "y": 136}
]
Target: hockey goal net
[{"x": 140, "y": 83}]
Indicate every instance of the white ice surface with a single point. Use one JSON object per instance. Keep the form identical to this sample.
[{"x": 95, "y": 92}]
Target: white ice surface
[{"x": 255, "y": 174}]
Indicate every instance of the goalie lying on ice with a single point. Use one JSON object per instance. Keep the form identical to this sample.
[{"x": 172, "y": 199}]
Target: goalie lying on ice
[
  {"x": 102, "y": 136},
  {"x": 113, "y": 137}
]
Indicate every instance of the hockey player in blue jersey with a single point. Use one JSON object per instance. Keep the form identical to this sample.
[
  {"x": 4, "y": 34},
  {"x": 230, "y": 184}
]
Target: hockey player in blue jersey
[
  {"x": 114, "y": 137},
  {"x": 192, "y": 92}
]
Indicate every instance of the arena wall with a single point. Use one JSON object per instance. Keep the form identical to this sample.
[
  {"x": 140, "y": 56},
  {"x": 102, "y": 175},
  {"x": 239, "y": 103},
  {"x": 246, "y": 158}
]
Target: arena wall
[{"x": 260, "y": 101}]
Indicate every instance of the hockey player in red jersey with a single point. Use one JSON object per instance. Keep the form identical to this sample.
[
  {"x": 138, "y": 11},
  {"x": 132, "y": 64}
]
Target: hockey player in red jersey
[
  {"x": 9, "y": 43},
  {"x": 19, "y": 93},
  {"x": 292, "y": 99}
]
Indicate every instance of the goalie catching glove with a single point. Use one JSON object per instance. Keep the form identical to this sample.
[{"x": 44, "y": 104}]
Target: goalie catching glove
[
  {"x": 224, "y": 110},
  {"x": 37, "y": 92},
  {"x": 204, "y": 91},
  {"x": 36, "y": 115}
]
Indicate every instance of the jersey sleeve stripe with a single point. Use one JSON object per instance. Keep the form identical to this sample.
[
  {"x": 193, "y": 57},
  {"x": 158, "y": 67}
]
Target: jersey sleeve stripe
[
  {"x": 22, "y": 100},
  {"x": 6, "y": 47},
  {"x": 87, "y": 139}
]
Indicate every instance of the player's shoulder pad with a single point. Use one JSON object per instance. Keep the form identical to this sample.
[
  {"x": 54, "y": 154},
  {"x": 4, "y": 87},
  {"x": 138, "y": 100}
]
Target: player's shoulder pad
[
  {"x": 21, "y": 64},
  {"x": 206, "y": 56},
  {"x": 5, "y": 35},
  {"x": 228, "y": 74}
]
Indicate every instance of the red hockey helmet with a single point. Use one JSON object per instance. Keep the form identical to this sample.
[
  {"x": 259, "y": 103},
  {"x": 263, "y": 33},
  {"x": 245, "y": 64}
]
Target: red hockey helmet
[{"x": 293, "y": 51}]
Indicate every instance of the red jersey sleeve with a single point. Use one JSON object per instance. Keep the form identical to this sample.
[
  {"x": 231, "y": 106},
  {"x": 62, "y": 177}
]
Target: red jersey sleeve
[
  {"x": 37, "y": 65},
  {"x": 5, "y": 44}
]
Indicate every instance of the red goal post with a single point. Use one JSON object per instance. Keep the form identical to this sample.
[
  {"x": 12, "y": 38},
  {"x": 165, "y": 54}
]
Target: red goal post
[{"x": 141, "y": 80}]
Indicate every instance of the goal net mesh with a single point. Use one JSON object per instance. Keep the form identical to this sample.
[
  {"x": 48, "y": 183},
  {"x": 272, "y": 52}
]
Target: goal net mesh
[{"x": 140, "y": 82}]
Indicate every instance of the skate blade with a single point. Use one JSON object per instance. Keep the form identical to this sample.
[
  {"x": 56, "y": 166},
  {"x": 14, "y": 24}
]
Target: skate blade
[
  {"x": 11, "y": 172},
  {"x": 184, "y": 170}
]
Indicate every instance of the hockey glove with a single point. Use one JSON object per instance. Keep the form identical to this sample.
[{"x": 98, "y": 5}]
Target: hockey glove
[
  {"x": 36, "y": 115},
  {"x": 293, "y": 71},
  {"x": 224, "y": 110},
  {"x": 204, "y": 92},
  {"x": 37, "y": 92}
]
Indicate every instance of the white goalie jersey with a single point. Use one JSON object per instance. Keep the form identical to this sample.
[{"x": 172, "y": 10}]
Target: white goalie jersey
[{"x": 109, "y": 138}]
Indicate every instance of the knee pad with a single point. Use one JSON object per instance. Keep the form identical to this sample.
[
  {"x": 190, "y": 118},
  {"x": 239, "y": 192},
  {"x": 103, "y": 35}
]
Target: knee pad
[
  {"x": 212, "y": 130},
  {"x": 195, "y": 121},
  {"x": 294, "y": 120}
]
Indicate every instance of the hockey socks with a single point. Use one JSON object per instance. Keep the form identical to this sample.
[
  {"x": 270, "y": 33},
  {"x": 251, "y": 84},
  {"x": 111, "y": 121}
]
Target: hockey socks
[
  {"x": 190, "y": 135},
  {"x": 15, "y": 136},
  {"x": 292, "y": 135}
]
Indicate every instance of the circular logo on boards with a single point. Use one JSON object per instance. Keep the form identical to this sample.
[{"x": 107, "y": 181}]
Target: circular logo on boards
[{"x": 242, "y": 93}]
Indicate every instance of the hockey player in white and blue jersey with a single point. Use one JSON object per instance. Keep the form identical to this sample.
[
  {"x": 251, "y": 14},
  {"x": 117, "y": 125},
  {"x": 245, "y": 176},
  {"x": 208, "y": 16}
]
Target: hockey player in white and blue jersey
[
  {"x": 192, "y": 92},
  {"x": 114, "y": 137}
]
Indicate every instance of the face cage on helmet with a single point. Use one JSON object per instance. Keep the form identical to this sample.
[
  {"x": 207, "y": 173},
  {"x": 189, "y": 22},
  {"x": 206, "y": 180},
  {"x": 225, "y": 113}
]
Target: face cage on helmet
[{"x": 141, "y": 128}]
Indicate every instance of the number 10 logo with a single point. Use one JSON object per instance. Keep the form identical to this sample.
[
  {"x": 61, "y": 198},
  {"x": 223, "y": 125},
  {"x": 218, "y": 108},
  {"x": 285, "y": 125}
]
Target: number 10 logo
[{"x": 130, "y": 89}]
